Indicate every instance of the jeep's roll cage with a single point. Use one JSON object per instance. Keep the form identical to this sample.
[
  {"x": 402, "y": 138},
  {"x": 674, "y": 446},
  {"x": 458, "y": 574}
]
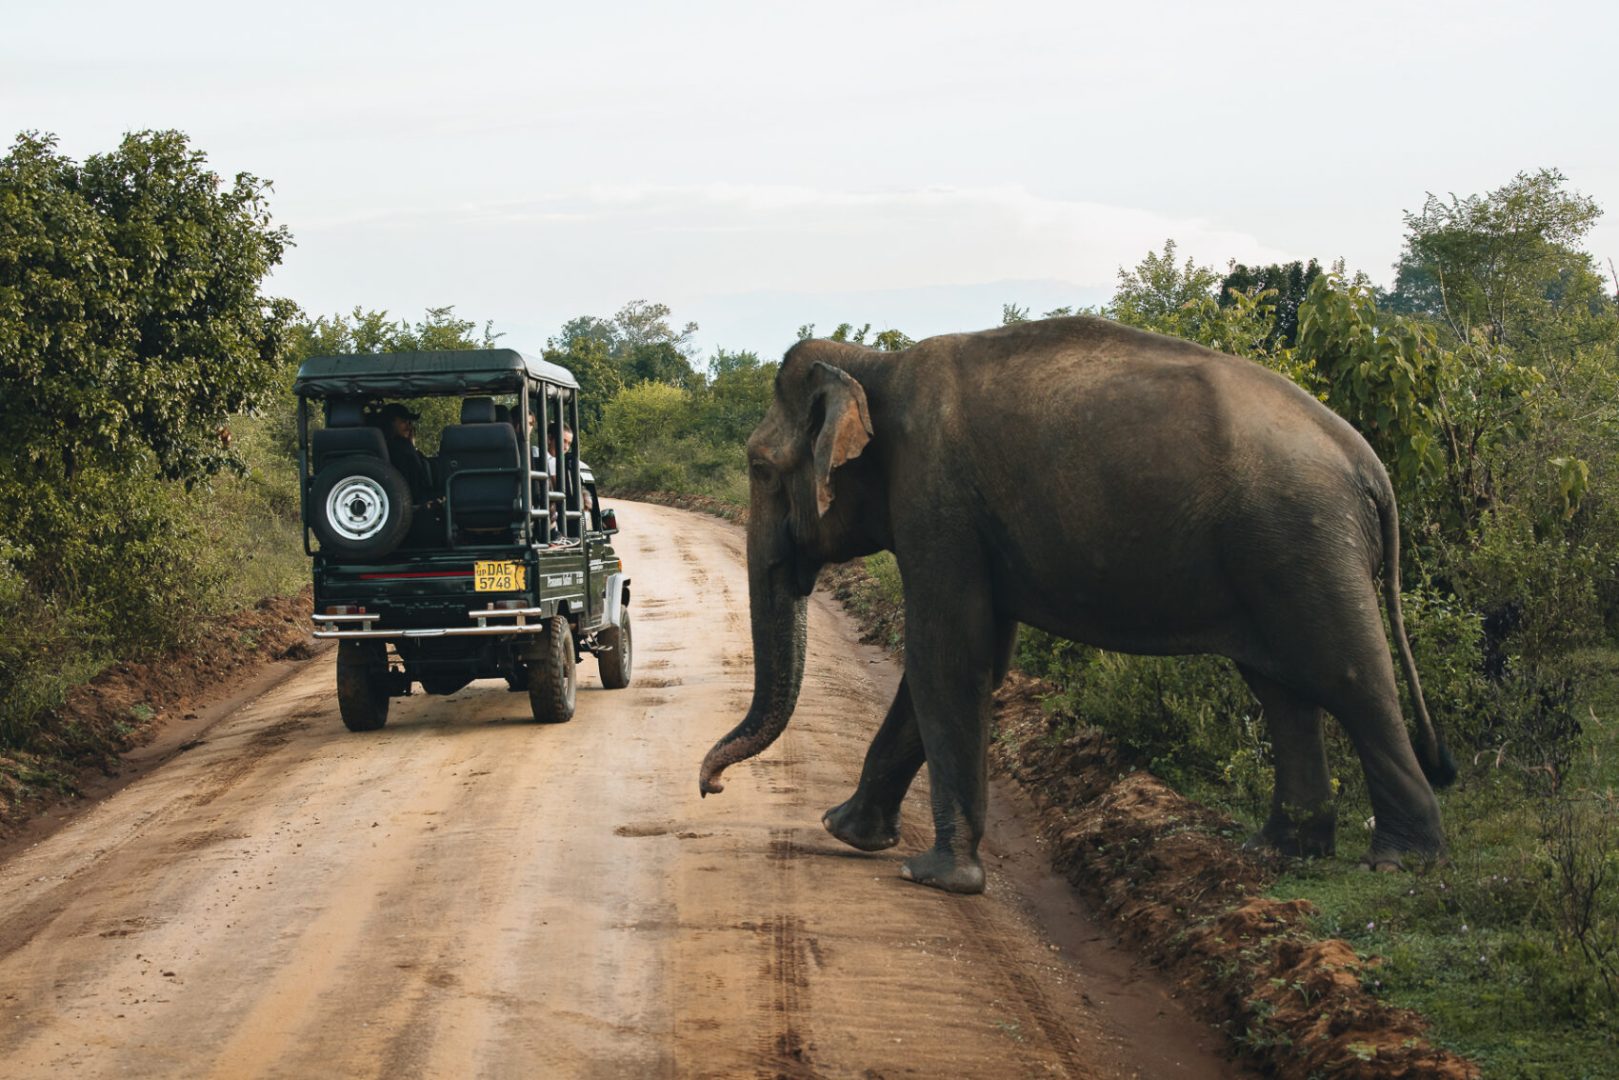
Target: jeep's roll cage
[{"x": 371, "y": 377}]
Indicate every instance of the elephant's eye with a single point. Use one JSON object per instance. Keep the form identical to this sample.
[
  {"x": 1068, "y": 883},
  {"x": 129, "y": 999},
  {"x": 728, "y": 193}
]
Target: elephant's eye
[{"x": 764, "y": 474}]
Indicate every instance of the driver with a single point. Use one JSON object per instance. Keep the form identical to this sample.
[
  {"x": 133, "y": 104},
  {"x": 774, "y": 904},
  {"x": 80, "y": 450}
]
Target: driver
[{"x": 399, "y": 429}]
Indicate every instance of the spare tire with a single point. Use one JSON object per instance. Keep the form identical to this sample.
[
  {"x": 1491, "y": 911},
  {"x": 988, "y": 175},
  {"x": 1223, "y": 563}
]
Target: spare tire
[{"x": 360, "y": 506}]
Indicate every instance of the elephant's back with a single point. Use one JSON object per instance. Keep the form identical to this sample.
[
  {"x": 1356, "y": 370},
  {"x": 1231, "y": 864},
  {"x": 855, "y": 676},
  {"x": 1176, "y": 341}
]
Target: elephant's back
[{"x": 1146, "y": 466}]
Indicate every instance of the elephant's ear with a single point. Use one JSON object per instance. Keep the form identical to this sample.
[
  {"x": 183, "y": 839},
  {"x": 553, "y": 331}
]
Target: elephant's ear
[{"x": 845, "y": 427}]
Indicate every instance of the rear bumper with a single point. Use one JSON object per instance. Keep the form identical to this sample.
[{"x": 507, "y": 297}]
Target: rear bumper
[{"x": 490, "y": 622}]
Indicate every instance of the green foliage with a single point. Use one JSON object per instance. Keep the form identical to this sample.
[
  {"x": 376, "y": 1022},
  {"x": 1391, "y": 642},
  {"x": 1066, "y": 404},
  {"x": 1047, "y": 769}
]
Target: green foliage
[
  {"x": 1289, "y": 283},
  {"x": 1181, "y": 301},
  {"x": 361, "y": 331},
  {"x": 1440, "y": 419},
  {"x": 654, "y": 422},
  {"x": 1509, "y": 946},
  {"x": 885, "y": 340},
  {"x": 638, "y": 344},
  {"x": 1159, "y": 294},
  {"x": 736, "y": 398},
  {"x": 652, "y": 439},
  {"x": 1190, "y": 719},
  {"x": 133, "y": 339},
  {"x": 105, "y": 566},
  {"x": 1503, "y": 267},
  {"x": 131, "y": 323},
  {"x": 439, "y": 330}
]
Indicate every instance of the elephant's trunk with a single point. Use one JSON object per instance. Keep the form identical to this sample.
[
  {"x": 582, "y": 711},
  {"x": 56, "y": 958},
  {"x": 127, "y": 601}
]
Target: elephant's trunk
[{"x": 779, "y": 610}]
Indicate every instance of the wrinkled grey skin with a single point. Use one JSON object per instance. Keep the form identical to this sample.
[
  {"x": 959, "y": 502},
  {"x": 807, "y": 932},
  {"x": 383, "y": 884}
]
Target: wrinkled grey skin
[{"x": 1127, "y": 490}]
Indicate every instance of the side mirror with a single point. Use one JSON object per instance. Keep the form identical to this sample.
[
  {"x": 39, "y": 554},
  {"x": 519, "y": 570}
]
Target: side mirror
[{"x": 609, "y": 522}]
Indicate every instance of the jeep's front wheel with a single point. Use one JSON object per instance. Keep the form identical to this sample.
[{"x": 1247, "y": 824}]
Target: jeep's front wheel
[
  {"x": 613, "y": 655},
  {"x": 360, "y": 506},
  {"x": 362, "y": 684},
  {"x": 553, "y": 678}
]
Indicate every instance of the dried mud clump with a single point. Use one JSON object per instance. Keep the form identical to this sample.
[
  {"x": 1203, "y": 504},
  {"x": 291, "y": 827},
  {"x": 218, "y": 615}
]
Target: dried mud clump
[{"x": 1173, "y": 878}]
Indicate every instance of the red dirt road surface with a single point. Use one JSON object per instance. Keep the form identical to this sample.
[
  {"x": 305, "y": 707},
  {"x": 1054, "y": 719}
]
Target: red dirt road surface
[{"x": 466, "y": 893}]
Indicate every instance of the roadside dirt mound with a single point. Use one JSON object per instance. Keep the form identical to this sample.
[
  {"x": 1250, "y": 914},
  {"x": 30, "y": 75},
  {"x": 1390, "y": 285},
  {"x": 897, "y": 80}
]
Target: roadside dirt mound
[
  {"x": 123, "y": 706},
  {"x": 1172, "y": 876}
]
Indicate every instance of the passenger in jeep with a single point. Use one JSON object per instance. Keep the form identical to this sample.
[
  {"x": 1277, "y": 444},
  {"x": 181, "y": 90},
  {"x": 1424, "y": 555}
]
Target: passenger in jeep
[{"x": 399, "y": 429}]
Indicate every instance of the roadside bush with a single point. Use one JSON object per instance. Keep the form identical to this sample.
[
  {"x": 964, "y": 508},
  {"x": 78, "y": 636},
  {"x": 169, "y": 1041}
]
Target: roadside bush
[
  {"x": 1190, "y": 719},
  {"x": 652, "y": 438},
  {"x": 104, "y": 567}
]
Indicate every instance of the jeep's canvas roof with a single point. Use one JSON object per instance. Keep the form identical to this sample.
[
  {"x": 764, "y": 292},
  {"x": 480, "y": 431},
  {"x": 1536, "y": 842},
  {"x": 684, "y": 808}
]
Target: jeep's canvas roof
[{"x": 409, "y": 374}]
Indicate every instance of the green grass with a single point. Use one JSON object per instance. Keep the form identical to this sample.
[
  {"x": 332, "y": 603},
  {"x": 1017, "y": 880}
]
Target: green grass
[{"x": 1499, "y": 946}]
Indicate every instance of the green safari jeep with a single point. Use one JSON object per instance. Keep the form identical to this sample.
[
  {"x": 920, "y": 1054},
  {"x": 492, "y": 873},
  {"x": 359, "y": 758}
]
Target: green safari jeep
[{"x": 489, "y": 558}]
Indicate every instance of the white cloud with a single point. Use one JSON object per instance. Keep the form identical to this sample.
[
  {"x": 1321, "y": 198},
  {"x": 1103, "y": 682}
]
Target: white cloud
[{"x": 684, "y": 242}]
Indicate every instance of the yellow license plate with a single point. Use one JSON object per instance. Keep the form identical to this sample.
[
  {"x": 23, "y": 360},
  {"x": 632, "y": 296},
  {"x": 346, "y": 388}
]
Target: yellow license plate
[{"x": 498, "y": 577}]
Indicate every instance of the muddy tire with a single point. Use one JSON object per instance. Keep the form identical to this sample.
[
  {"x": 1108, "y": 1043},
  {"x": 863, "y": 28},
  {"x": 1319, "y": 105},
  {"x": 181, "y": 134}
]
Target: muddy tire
[
  {"x": 362, "y": 684},
  {"x": 614, "y": 656},
  {"x": 553, "y": 678},
  {"x": 360, "y": 507}
]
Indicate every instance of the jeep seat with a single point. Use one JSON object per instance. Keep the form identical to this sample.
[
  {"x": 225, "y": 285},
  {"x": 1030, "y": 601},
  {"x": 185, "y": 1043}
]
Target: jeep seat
[
  {"x": 346, "y": 434},
  {"x": 482, "y": 501}
]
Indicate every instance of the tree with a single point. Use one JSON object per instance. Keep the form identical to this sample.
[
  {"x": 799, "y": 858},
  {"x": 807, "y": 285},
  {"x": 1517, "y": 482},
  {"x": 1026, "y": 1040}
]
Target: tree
[
  {"x": 1437, "y": 417},
  {"x": 361, "y": 331},
  {"x": 658, "y": 361},
  {"x": 1289, "y": 283},
  {"x": 1160, "y": 295},
  {"x": 639, "y": 323},
  {"x": 739, "y": 392},
  {"x": 1503, "y": 266},
  {"x": 1179, "y": 300},
  {"x": 884, "y": 340},
  {"x": 637, "y": 344},
  {"x": 131, "y": 322}
]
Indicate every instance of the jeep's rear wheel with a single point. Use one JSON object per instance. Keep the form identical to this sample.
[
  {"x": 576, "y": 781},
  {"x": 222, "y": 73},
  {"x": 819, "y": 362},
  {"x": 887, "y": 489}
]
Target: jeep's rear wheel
[
  {"x": 360, "y": 506},
  {"x": 362, "y": 684},
  {"x": 613, "y": 656},
  {"x": 553, "y": 678}
]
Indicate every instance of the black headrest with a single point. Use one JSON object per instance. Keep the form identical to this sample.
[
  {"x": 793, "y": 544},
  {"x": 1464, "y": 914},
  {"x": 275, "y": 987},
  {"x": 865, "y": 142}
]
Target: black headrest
[
  {"x": 503, "y": 414},
  {"x": 478, "y": 410},
  {"x": 345, "y": 414},
  {"x": 343, "y": 441},
  {"x": 461, "y": 439}
]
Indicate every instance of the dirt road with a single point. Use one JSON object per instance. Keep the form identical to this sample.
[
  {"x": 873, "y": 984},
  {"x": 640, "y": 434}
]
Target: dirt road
[{"x": 466, "y": 893}]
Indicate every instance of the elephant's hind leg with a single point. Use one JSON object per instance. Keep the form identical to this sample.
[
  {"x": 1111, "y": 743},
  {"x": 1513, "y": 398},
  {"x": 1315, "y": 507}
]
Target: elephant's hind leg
[
  {"x": 1335, "y": 655},
  {"x": 1403, "y": 803},
  {"x": 1303, "y": 814},
  {"x": 869, "y": 820}
]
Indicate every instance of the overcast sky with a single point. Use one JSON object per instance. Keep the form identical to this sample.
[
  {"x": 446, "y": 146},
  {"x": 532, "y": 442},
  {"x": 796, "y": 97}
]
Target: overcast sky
[{"x": 758, "y": 166}]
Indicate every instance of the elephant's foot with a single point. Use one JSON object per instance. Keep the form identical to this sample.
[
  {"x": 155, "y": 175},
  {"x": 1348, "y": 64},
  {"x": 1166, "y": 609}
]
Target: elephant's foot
[
  {"x": 1298, "y": 835},
  {"x": 1387, "y": 863},
  {"x": 945, "y": 870},
  {"x": 1401, "y": 844},
  {"x": 862, "y": 827},
  {"x": 1389, "y": 859}
]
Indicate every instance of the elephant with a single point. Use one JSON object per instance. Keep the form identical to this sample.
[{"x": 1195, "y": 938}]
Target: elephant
[{"x": 1123, "y": 489}]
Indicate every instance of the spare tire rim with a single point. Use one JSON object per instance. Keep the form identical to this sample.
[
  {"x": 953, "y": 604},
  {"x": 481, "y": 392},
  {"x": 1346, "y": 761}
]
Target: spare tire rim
[{"x": 357, "y": 508}]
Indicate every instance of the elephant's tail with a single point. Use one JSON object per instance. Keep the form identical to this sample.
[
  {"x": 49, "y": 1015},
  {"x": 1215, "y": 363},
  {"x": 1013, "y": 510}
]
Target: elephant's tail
[{"x": 1437, "y": 764}]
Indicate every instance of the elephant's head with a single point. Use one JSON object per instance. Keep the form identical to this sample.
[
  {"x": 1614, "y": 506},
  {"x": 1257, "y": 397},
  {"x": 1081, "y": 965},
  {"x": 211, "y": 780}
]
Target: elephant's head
[{"x": 818, "y": 424}]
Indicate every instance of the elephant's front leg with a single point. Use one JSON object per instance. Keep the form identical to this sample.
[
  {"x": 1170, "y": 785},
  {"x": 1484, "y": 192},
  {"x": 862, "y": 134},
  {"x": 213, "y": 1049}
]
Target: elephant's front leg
[
  {"x": 869, "y": 820},
  {"x": 950, "y": 653}
]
